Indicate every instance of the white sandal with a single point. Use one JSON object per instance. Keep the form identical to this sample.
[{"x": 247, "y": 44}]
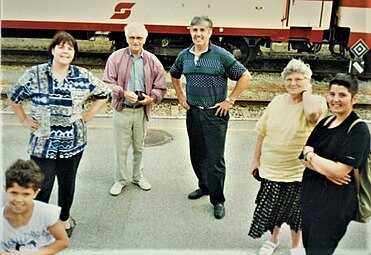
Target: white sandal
[
  {"x": 268, "y": 248},
  {"x": 297, "y": 251}
]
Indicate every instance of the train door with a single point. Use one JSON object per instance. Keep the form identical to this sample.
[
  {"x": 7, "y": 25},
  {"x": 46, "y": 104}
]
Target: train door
[
  {"x": 304, "y": 13},
  {"x": 307, "y": 20}
]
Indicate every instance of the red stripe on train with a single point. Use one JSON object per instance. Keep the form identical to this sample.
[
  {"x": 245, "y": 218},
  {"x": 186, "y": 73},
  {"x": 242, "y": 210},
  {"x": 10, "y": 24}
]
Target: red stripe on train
[
  {"x": 355, "y": 3},
  {"x": 275, "y": 34}
]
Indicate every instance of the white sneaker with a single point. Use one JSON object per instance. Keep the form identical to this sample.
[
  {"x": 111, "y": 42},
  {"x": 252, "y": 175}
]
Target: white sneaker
[
  {"x": 268, "y": 248},
  {"x": 143, "y": 184},
  {"x": 116, "y": 189},
  {"x": 297, "y": 251}
]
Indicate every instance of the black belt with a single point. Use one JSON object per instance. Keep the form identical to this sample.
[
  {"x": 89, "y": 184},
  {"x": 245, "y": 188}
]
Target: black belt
[{"x": 133, "y": 106}]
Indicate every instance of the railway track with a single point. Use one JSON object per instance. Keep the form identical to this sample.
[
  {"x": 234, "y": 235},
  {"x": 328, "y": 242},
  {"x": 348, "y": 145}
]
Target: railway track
[
  {"x": 321, "y": 67},
  {"x": 169, "y": 108},
  {"x": 34, "y": 57},
  {"x": 174, "y": 101},
  {"x": 239, "y": 103},
  {"x": 272, "y": 64},
  {"x": 257, "y": 103}
]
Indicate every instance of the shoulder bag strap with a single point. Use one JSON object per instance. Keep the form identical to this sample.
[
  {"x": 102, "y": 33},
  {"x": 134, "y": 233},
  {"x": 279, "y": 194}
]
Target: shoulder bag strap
[
  {"x": 329, "y": 119},
  {"x": 356, "y": 178},
  {"x": 356, "y": 171},
  {"x": 353, "y": 124}
]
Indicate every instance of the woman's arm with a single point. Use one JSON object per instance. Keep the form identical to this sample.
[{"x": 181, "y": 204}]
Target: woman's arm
[
  {"x": 94, "y": 109},
  {"x": 314, "y": 106},
  {"x": 336, "y": 172},
  {"x": 257, "y": 153},
  {"x": 22, "y": 117}
]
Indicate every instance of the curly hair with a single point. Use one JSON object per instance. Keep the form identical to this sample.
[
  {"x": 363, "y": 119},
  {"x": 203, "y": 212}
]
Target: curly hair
[
  {"x": 296, "y": 65},
  {"x": 26, "y": 173}
]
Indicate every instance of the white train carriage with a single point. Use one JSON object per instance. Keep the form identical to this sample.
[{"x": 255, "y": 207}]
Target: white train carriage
[{"x": 241, "y": 26}]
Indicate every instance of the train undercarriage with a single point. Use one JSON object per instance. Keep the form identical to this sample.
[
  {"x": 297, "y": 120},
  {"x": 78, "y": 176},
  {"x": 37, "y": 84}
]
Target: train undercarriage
[{"x": 244, "y": 48}]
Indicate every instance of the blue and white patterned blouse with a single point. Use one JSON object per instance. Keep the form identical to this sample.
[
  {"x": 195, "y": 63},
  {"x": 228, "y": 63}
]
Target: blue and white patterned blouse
[{"x": 57, "y": 106}]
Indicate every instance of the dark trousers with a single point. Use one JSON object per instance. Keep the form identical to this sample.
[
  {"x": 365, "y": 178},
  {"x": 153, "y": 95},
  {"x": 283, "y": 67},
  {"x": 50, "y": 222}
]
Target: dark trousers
[
  {"x": 207, "y": 134},
  {"x": 65, "y": 169}
]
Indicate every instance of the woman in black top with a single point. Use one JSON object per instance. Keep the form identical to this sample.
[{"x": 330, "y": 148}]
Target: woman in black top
[{"x": 328, "y": 197}]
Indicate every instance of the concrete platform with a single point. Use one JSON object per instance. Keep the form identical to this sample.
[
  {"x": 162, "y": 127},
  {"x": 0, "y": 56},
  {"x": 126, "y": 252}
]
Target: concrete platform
[{"x": 162, "y": 220}]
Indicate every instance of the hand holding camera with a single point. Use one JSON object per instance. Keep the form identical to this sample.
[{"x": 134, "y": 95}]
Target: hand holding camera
[{"x": 140, "y": 95}]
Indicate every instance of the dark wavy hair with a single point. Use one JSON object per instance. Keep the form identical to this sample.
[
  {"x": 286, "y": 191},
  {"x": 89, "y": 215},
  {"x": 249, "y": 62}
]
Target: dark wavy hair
[
  {"x": 202, "y": 20},
  {"x": 62, "y": 37},
  {"x": 347, "y": 81},
  {"x": 26, "y": 173}
]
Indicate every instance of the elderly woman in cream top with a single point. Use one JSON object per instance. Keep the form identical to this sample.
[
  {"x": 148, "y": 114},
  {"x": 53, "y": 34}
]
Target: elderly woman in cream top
[{"x": 282, "y": 132}]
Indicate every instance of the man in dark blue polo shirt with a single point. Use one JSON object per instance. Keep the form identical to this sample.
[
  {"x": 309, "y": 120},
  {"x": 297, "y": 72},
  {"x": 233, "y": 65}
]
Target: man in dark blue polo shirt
[{"x": 207, "y": 68}]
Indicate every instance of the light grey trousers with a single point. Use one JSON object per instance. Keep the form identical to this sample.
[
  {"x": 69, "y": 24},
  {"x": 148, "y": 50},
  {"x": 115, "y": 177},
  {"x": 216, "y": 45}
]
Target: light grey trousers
[{"x": 129, "y": 128}]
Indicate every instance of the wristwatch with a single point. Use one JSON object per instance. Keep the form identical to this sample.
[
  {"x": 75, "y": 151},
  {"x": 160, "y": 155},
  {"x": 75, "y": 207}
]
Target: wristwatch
[
  {"x": 305, "y": 157},
  {"x": 228, "y": 100}
]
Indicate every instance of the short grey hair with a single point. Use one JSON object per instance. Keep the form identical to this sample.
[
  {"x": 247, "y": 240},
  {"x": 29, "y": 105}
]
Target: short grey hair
[
  {"x": 136, "y": 27},
  {"x": 202, "y": 20},
  {"x": 296, "y": 65}
]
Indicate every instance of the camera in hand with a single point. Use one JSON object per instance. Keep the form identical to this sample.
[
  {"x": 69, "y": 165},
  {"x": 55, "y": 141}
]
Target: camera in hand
[{"x": 140, "y": 95}]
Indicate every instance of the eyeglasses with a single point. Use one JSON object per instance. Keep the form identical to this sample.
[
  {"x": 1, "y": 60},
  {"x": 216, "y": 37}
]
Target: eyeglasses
[
  {"x": 138, "y": 38},
  {"x": 297, "y": 80}
]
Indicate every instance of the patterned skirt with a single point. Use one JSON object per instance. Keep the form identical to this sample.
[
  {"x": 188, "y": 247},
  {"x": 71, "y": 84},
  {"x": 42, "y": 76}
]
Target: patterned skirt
[{"x": 276, "y": 203}]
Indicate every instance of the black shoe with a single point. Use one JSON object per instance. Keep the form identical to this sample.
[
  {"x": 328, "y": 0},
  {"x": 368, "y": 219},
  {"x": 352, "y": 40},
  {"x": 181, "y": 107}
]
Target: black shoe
[
  {"x": 196, "y": 194},
  {"x": 70, "y": 230},
  {"x": 219, "y": 211}
]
